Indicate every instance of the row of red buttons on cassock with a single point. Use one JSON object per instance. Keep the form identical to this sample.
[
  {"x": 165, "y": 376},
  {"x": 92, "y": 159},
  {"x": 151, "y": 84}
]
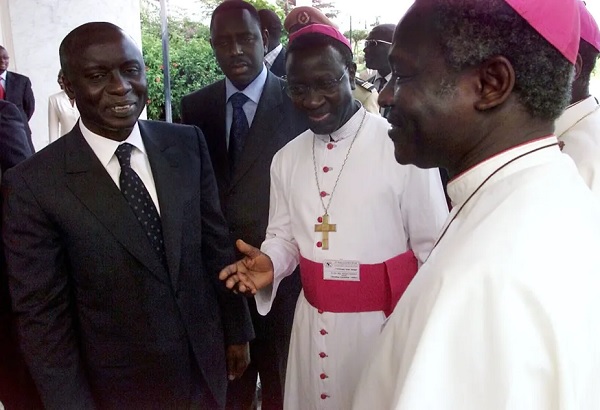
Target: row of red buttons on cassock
[{"x": 323, "y": 355}]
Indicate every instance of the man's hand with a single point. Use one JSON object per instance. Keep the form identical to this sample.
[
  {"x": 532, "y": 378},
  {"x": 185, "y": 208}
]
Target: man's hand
[
  {"x": 238, "y": 359},
  {"x": 248, "y": 275}
]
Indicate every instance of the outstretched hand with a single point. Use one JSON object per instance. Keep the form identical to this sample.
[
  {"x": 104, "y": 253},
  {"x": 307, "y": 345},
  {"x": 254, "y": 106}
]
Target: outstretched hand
[{"x": 249, "y": 274}]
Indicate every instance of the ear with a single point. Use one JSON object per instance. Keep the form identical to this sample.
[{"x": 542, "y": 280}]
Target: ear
[
  {"x": 496, "y": 81},
  {"x": 68, "y": 87},
  {"x": 265, "y": 37},
  {"x": 578, "y": 66},
  {"x": 352, "y": 75}
]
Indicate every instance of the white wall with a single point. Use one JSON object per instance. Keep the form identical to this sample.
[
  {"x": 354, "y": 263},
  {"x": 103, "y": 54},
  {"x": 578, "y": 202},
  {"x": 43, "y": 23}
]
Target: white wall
[{"x": 31, "y": 31}]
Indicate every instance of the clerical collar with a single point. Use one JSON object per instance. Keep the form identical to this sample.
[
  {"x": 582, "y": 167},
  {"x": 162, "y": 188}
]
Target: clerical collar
[
  {"x": 462, "y": 186},
  {"x": 574, "y": 113},
  {"x": 349, "y": 129}
]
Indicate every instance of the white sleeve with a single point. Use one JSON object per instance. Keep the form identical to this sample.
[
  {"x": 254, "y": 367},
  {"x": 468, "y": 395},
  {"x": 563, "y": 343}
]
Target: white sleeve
[
  {"x": 280, "y": 243},
  {"x": 424, "y": 210},
  {"x": 53, "y": 122}
]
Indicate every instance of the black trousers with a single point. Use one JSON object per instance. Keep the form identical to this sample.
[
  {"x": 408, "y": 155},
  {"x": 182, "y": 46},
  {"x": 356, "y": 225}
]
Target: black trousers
[{"x": 268, "y": 352}]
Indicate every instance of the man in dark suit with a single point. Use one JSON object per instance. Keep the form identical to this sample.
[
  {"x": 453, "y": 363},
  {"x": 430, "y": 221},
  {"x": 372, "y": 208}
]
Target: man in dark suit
[
  {"x": 113, "y": 239},
  {"x": 16, "y": 88},
  {"x": 16, "y": 387},
  {"x": 242, "y": 164},
  {"x": 275, "y": 55},
  {"x": 14, "y": 145}
]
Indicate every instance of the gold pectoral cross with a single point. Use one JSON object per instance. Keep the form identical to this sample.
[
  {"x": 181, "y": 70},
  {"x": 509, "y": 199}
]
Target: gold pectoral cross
[{"x": 325, "y": 227}]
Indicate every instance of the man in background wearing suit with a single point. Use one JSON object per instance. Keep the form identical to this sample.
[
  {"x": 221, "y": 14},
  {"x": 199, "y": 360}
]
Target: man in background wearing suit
[
  {"x": 275, "y": 57},
  {"x": 16, "y": 388},
  {"x": 377, "y": 48},
  {"x": 113, "y": 237},
  {"x": 16, "y": 88},
  {"x": 14, "y": 145},
  {"x": 246, "y": 118}
]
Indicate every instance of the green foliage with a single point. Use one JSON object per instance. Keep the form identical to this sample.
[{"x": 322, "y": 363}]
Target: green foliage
[
  {"x": 356, "y": 36},
  {"x": 192, "y": 63}
]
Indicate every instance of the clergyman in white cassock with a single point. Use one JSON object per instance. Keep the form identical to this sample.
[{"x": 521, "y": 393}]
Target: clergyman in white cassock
[
  {"x": 380, "y": 209},
  {"x": 578, "y": 128},
  {"x": 356, "y": 221},
  {"x": 504, "y": 312}
]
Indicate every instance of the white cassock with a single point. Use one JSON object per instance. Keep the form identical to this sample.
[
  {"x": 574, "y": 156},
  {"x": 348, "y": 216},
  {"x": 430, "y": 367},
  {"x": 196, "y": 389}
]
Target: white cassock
[
  {"x": 381, "y": 209},
  {"x": 504, "y": 313},
  {"x": 62, "y": 116},
  {"x": 579, "y": 129}
]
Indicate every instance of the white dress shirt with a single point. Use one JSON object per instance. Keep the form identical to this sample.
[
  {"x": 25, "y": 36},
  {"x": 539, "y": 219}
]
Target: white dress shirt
[
  {"x": 253, "y": 91},
  {"x": 3, "y": 81},
  {"x": 272, "y": 55},
  {"x": 105, "y": 148}
]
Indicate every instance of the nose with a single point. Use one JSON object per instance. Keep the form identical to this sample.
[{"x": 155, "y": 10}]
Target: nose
[
  {"x": 312, "y": 99},
  {"x": 235, "y": 49},
  {"x": 118, "y": 84},
  {"x": 386, "y": 95}
]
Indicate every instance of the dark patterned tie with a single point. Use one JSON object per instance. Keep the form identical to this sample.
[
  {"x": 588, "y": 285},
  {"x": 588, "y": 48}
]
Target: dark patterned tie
[
  {"x": 382, "y": 83},
  {"x": 239, "y": 128},
  {"x": 140, "y": 201}
]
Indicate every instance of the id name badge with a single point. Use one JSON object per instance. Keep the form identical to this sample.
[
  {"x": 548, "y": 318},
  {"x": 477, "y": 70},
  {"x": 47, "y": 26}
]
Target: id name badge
[{"x": 341, "y": 270}]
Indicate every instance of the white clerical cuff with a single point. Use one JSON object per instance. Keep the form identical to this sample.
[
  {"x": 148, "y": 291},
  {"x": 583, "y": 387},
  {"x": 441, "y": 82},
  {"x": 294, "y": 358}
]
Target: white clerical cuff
[{"x": 285, "y": 257}]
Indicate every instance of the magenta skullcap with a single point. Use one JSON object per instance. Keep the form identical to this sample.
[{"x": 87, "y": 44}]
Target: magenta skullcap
[
  {"x": 321, "y": 29},
  {"x": 589, "y": 28},
  {"x": 555, "y": 20}
]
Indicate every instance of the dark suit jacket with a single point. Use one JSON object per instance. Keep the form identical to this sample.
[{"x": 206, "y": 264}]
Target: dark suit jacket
[
  {"x": 16, "y": 388},
  {"x": 278, "y": 67},
  {"x": 102, "y": 322},
  {"x": 14, "y": 144},
  {"x": 19, "y": 92},
  {"x": 245, "y": 192}
]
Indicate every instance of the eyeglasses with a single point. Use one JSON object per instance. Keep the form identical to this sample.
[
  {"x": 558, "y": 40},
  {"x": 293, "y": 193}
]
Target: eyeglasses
[
  {"x": 298, "y": 91},
  {"x": 375, "y": 43}
]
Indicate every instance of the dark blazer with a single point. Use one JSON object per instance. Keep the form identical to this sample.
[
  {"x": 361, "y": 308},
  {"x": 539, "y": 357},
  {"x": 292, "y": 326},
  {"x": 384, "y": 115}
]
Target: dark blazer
[
  {"x": 245, "y": 192},
  {"x": 14, "y": 144},
  {"x": 18, "y": 91},
  {"x": 103, "y": 323},
  {"x": 278, "y": 67},
  {"x": 16, "y": 387}
]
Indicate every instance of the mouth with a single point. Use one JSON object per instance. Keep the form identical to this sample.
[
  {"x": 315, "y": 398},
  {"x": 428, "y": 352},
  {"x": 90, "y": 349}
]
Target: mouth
[
  {"x": 123, "y": 110},
  {"x": 239, "y": 67},
  {"x": 319, "y": 117}
]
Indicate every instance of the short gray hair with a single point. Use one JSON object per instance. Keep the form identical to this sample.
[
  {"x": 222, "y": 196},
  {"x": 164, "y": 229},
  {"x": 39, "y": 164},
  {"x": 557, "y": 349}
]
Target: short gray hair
[{"x": 471, "y": 31}]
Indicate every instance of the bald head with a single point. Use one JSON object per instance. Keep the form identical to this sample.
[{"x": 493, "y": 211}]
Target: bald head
[
  {"x": 377, "y": 48},
  {"x": 270, "y": 21},
  {"x": 87, "y": 35},
  {"x": 383, "y": 32}
]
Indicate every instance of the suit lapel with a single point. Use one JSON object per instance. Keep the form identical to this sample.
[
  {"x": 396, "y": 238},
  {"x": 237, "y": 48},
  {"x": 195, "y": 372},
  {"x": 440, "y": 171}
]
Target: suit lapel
[
  {"x": 263, "y": 126},
  {"x": 216, "y": 140},
  {"x": 171, "y": 188},
  {"x": 88, "y": 180}
]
